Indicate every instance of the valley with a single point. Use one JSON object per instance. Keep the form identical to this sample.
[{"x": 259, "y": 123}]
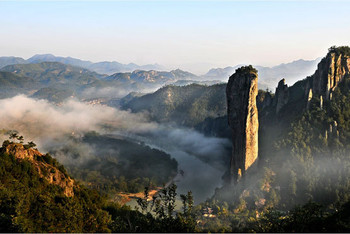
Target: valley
[
  {"x": 174, "y": 116},
  {"x": 232, "y": 152}
]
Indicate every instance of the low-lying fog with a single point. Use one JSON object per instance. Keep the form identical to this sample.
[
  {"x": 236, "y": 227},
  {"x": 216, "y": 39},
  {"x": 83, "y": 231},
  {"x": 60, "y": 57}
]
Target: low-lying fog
[{"x": 50, "y": 125}]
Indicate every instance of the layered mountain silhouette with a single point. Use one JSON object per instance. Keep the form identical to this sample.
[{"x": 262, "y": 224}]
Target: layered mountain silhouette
[{"x": 99, "y": 67}]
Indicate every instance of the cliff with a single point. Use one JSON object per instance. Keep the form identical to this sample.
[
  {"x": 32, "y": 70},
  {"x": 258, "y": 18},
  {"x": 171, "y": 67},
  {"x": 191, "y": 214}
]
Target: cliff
[
  {"x": 241, "y": 93},
  {"x": 42, "y": 164},
  {"x": 281, "y": 95},
  {"x": 288, "y": 102},
  {"x": 331, "y": 70}
]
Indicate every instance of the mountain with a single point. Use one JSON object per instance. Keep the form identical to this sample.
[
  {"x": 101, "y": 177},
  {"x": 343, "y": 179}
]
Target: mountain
[
  {"x": 12, "y": 84},
  {"x": 48, "y": 80},
  {"x": 56, "y": 81},
  {"x": 186, "y": 105},
  {"x": 4, "y": 61},
  {"x": 269, "y": 76},
  {"x": 99, "y": 67},
  {"x": 114, "y": 67},
  {"x": 40, "y": 58},
  {"x": 188, "y": 82},
  {"x": 54, "y": 94},
  {"x": 152, "y": 76},
  {"x": 50, "y": 73}
]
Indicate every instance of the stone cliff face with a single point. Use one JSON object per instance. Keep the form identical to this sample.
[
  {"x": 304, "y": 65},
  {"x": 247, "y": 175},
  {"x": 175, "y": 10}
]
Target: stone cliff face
[
  {"x": 241, "y": 93},
  {"x": 52, "y": 174},
  {"x": 281, "y": 95},
  {"x": 331, "y": 70}
]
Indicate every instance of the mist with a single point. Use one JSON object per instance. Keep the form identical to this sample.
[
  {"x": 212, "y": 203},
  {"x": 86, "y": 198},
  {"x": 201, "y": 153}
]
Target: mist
[
  {"x": 117, "y": 91},
  {"x": 54, "y": 127}
]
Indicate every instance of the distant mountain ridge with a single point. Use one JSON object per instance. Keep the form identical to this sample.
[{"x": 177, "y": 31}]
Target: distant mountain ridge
[
  {"x": 152, "y": 76},
  {"x": 53, "y": 72},
  {"x": 56, "y": 81},
  {"x": 104, "y": 67},
  {"x": 269, "y": 76},
  {"x": 5, "y": 61}
]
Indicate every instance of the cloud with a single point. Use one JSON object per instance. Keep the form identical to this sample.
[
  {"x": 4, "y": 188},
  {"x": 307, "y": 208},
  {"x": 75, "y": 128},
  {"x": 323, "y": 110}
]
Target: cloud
[{"x": 40, "y": 119}]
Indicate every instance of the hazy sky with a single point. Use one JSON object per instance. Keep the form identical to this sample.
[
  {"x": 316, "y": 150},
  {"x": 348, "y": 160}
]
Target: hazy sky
[{"x": 192, "y": 35}]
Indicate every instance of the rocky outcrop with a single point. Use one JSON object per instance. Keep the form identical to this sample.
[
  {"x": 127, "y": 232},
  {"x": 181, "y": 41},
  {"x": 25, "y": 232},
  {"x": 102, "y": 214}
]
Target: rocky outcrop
[
  {"x": 241, "y": 93},
  {"x": 309, "y": 97},
  {"x": 45, "y": 170},
  {"x": 331, "y": 70},
  {"x": 264, "y": 100},
  {"x": 281, "y": 95}
]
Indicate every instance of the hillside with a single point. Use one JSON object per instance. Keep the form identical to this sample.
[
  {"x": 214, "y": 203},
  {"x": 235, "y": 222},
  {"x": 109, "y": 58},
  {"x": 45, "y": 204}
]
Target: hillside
[
  {"x": 12, "y": 84},
  {"x": 51, "y": 73},
  {"x": 187, "y": 105},
  {"x": 48, "y": 80},
  {"x": 4, "y": 61},
  {"x": 113, "y": 164},
  {"x": 152, "y": 77},
  {"x": 37, "y": 195}
]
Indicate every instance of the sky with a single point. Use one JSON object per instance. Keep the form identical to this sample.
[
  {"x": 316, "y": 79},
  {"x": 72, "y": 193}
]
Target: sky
[{"x": 191, "y": 35}]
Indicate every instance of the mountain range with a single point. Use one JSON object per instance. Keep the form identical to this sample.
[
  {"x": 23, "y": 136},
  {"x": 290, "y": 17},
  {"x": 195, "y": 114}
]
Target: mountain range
[
  {"x": 104, "y": 67},
  {"x": 56, "y": 81},
  {"x": 299, "y": 183},
  {"x": 269, "y": 76}
]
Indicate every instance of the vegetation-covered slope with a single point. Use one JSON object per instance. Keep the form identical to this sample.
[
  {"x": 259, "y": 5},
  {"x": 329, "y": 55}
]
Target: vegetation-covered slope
[
  {"x": 50, "y": 73},
  {"x": 114, "y": 165},
  {"x": 32, "y": 202},
  {"x": 12, "y": 84},
  {"x": 188, "y": 105}
]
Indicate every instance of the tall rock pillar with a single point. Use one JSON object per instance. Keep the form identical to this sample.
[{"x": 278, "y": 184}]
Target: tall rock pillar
[{"x": 241, "y": 92}]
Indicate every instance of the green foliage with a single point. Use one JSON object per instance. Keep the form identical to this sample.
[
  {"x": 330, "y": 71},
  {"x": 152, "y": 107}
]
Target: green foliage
[
  {"x": 160, "y": 212},
  {"x": 29, "y": 203},
  {"x": 120, "y": 165},
  {"x": 345, "y": 50},
  {"x": 53, "y": 93},
  {"x": 11, "y": 84},
  {"x": 246, "y": 69},
  {"x": 29, "y": 145},
  {"x": 187, "y": 105}
]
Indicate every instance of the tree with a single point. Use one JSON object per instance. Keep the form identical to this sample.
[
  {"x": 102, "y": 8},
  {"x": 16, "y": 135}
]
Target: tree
[
  {"x": 31, "y": 144},
  {"x": 21, "y": 139},
  {"x": 13, "y": 135}
]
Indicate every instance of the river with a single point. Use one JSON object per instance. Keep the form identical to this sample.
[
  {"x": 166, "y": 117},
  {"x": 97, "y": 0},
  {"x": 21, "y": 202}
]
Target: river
[{"x": 199, "y": 177}]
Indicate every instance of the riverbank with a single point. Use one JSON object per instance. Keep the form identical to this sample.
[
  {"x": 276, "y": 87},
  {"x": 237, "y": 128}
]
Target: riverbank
[{"x": 124, "y": 198}]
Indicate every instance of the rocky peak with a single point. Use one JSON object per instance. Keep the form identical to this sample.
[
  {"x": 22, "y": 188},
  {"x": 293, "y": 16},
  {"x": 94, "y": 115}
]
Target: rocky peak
[
  {"x": 241, "y": 93},
  {"x": 20, "y": 152},
  {"x": 330, "y": 71},
  {"x": 46, "y": 170},
  {"x": 281, "y": 95}
]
